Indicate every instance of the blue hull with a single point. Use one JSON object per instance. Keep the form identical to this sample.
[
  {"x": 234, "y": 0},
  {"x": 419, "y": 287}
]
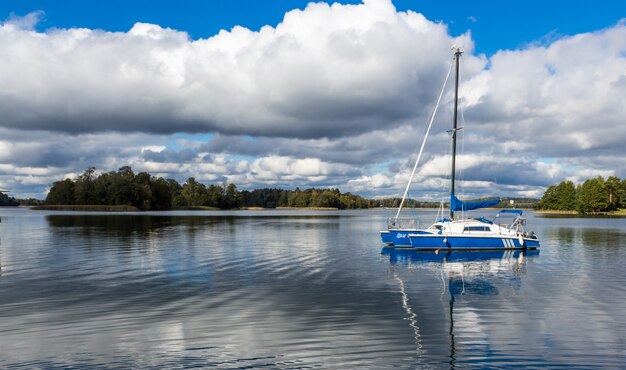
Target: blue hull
[
  {"x": 442, "y": 242},
  {"x": 398, "y": 237}
]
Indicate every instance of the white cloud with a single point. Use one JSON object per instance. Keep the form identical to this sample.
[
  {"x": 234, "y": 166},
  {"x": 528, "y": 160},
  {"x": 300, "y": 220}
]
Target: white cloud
[
  {"x": 365, "y": 183},
  {"x": 332, "y": 96},
  {"x": 153, "y": 148},
  {"x": 566, "y": 98},
  {"x": 14, "y": 170},
  {"x": 288, "y": 171},
  {"x": 324, "y": 71},
  {"x": 25, "y": 23}
]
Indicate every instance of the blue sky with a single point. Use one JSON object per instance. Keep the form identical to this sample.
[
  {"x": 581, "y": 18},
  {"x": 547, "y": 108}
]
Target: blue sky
[
  {"x": 494, "y": 25},
  {"x": 325, "y": 96}
]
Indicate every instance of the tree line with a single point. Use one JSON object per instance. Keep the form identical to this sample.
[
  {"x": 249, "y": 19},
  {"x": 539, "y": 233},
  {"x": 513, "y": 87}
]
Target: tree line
[
  {"x": 593, "y": 195},
  {"x": 144, "y": 191},
  {"x": 140, "y": 190},
  {"x": 7, "y": 201},
  {"x": 147, "y": 192},
  {"x": 320, "y": 198}
]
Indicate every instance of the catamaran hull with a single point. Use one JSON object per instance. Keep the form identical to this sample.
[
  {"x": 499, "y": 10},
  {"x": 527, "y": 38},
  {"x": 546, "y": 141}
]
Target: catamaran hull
[
  {"x": 440, "y": 242},
  {"x": 398, "y": 237}
]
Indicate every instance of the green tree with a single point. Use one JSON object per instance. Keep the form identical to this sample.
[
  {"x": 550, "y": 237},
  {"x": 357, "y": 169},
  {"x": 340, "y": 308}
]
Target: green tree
[
  {"x": 141, "y": 191},
  {"x": 7, "y": 201},
  {"x": 61, "y": 192},
  {"x": 84, "y": 187},
  {"x": 292, "y": 197},
  {"x": 622, "y": 194},
  {"x": 283, "y": 199},
  {"x": 560, "y": 197},
  {"x": 613, "y": 187},
  {"x": 102, "y": 188},
  {"x": 592, "y": 196},
  {"x": 214, "y": 196},
  {"x": 550, "y": 198},
  {"x": 194, "y": 192},
  {"x": 175, "y": 189},
  {"x": 231, "y": 197},
  {"x": 303, "y": 199},
  {"x": 566, "y": 196},
  {"x": 121, "y": 189},
  {"x": 328, "y": 199},
  {"x": 161, "y": 194}
]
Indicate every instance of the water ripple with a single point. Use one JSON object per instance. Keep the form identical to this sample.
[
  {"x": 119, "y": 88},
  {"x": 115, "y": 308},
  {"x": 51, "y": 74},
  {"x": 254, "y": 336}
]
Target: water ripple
[{"x": 299, "y": 291}]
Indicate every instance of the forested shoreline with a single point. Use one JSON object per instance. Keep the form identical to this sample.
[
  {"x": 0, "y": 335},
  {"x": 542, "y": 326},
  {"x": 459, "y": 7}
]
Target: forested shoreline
[
  {"x": 145, "y": 192},
  {"x": 596, "y": 195},
  {"x": 142, "y": 191}
]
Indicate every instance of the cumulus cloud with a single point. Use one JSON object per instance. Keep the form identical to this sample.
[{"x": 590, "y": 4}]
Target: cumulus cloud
[
  {"x": 325, "y": 71},
  {"x": 25, "y": 169},
  {"x": 24, "y": 23},
  {"x": 563, "y": 99},
  {"x": 334, "y": 95}
]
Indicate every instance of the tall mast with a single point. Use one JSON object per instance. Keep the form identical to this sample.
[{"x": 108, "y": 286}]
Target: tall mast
[{"x": 457, "y": 56}]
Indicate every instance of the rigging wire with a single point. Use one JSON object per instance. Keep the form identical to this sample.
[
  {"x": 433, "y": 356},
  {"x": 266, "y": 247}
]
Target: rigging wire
[
  {"x": 432, "y": 118},
  {"x": 445, "y": 183}
]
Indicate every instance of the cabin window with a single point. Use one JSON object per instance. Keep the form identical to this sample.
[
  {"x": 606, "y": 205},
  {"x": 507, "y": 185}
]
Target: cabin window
[
  {"x": 438, "y": 227},
  {"x": 477, "y": 228}
]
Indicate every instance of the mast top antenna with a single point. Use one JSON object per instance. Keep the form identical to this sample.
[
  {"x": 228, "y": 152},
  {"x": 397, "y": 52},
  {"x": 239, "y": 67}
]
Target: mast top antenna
[{"x": 458, "y": 50}]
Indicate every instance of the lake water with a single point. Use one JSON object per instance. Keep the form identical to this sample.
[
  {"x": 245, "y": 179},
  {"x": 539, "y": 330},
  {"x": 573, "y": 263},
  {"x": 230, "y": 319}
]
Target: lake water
[{"x": 299, "y": 289}]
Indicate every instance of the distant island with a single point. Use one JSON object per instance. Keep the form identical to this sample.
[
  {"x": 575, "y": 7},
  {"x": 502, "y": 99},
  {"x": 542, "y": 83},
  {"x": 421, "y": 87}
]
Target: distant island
[
  {"x": 594, "y": 196},
  {"x": 125, "y": 190}
]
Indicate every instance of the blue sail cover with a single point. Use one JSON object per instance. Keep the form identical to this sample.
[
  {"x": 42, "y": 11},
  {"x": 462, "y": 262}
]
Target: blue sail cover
[{"x": 458, "y": 205}]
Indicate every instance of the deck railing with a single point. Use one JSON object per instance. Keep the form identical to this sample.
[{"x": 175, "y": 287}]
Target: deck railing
[{"x": 403, "y": 223}]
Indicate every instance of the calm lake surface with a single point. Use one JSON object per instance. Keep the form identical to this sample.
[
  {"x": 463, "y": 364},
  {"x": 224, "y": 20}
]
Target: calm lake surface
[{"x": 299, "y": 289}]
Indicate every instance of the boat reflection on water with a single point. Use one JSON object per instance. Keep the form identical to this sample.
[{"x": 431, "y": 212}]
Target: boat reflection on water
[
  {"x": 469, "y": 278},
  {"x": 467, "y": 270},
  {"x": 487, "y": 257}
]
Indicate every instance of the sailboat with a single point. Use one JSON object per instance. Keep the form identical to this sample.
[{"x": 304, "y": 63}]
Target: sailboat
[{"x": 505, "y": 231}]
